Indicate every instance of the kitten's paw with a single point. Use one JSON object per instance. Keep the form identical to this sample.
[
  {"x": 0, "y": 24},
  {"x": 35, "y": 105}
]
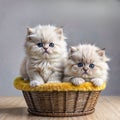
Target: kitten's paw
[
  {"x": 97, "y": 81},
  {"x": 35, "y": 83},
  {"x": 77, "y": 81}
]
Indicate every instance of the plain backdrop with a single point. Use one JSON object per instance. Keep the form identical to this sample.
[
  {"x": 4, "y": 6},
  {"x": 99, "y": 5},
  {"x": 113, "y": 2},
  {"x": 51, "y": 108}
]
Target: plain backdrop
[{"x": 84, "y": 21}]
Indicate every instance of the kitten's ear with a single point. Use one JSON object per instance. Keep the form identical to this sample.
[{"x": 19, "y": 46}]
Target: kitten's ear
[
  {"x": 30, "y": 31},
  {"x": 73, "y": 49},
  {"x": 59, "y": 31},
  {"x": 101, "y": 53}
]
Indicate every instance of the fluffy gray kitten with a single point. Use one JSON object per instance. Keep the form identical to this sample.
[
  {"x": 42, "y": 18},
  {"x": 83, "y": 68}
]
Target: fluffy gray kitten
[
  {"x": 86, "y": 63},
  {"x": 46, "y": 52}
]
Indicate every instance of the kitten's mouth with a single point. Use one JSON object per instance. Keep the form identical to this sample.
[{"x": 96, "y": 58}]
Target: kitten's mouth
[
  {"x": 85, "y": 73},
  {"x": 45, "y": 52}
]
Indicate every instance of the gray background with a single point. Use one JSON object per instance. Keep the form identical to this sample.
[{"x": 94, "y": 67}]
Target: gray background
[{"x": 91, "y": 21}]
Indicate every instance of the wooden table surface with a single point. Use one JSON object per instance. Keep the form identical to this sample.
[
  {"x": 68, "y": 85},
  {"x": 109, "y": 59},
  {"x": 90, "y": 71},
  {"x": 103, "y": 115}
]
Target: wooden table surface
[{"x": 14, "y": 108}]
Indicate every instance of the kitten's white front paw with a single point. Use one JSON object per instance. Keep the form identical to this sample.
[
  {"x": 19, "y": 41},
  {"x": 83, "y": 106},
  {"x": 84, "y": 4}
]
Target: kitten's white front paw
[
  {"x": 77, "y": 81},
  {"x": 97, "y": 81},
  {"x": 35, "y": 83}
]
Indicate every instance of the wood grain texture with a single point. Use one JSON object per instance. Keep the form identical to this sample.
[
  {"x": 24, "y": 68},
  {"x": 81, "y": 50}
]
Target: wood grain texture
[{"x": 14, "y": 108}]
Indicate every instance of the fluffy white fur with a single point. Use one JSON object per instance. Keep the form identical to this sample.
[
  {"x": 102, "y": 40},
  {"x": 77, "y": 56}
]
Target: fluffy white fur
[
  {"x": 86, "y": 54},
  {"x": 44, "y": 64}
]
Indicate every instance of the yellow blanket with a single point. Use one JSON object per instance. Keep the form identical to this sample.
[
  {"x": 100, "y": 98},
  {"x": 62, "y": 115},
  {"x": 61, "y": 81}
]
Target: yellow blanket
[{"x": 20, "y": 84}]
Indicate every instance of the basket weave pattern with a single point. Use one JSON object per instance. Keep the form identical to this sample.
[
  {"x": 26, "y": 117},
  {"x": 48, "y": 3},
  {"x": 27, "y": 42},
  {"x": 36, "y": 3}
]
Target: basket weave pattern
[{"x": 61, "y": 103}]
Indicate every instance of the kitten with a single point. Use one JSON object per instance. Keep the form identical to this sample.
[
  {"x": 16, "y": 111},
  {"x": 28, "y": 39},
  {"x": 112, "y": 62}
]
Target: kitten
[
  {"x": 46, "y": 51},
  {"x": 86, "y": 63}
]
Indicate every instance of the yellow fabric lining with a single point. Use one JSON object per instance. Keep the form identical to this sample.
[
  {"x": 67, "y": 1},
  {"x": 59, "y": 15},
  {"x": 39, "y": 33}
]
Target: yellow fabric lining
[{"x": 20, "y": 84}]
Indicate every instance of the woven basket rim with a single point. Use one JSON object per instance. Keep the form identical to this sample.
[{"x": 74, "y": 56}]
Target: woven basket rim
[{"x": 20, "y": 84}]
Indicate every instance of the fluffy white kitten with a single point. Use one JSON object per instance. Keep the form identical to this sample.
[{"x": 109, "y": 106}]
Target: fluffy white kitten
[
  {"x": 86, "y": 63},
  {"x": 46, "y": 52}
]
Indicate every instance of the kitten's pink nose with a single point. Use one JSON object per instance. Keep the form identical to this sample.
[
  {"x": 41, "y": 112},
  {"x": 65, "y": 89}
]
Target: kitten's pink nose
[
  {"x": 45, "y": 48},
  {"x": 85, "y": 69}
]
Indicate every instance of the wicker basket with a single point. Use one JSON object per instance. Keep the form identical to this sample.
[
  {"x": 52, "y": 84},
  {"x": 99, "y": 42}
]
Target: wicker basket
[{"x": 60, "y": 103}]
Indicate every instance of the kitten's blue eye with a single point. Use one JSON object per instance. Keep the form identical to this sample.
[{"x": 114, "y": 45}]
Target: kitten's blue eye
[
  {"x": 80, "y": 64},
  {"x": 91, "y": 65},
  {"x": 51, "y": 44},
  {"x": 40, "y": 44}
]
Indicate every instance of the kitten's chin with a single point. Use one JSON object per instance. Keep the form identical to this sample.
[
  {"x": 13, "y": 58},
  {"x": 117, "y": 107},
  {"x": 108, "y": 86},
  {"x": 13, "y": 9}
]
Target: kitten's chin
[
  {"x": 45, "y": 55},
  {"x": 85, "y": 76}
]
